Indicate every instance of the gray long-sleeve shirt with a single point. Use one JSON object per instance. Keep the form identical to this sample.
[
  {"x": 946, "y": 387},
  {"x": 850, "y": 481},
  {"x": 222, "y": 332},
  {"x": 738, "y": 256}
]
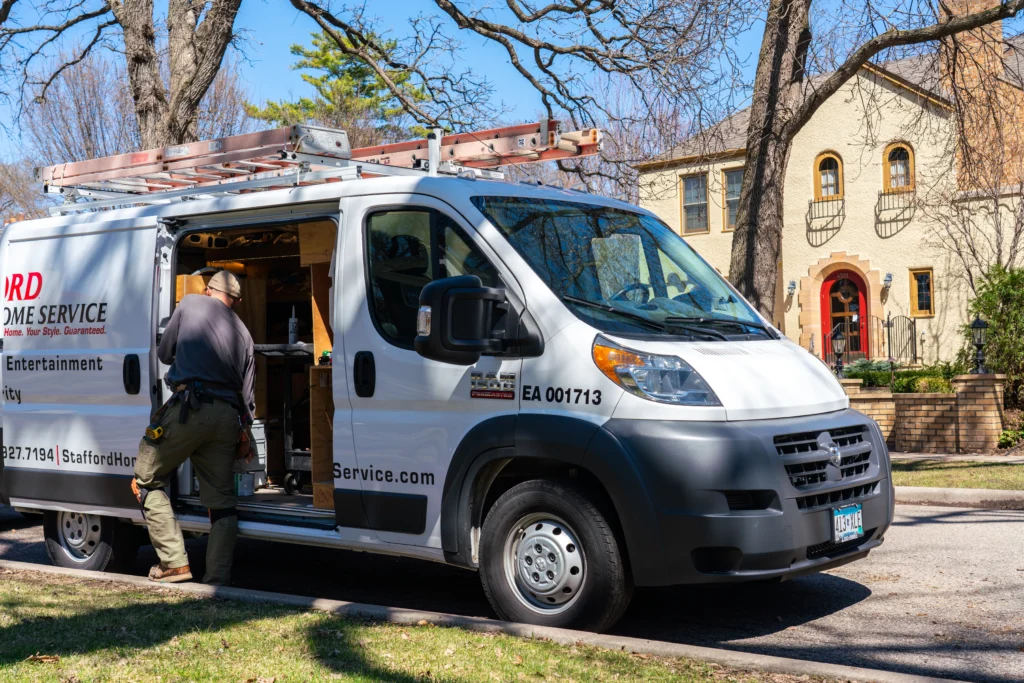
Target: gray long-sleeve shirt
[{"x": 206, "y": 341}]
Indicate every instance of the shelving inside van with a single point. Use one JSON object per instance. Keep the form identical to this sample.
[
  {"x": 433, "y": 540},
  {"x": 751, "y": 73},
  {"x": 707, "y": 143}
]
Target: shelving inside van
[{"x": 285, "y": 273}]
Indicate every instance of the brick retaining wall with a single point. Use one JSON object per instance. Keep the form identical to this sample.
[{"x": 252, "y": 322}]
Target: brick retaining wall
[
  {"x": 926, "y": 423},
  {"x": 967, "y": 421}
]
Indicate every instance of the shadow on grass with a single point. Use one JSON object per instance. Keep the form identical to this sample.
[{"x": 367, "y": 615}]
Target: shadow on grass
[{"x": 147, "y": 622}]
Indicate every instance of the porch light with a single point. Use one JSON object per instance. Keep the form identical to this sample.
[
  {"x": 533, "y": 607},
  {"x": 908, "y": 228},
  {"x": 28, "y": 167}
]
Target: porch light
[
  {"x": 791, "y": 288},
  {"x": 887, "y": 282},
  {"x": 979, "y": 334},
  {"x": 839, "y": 347}
]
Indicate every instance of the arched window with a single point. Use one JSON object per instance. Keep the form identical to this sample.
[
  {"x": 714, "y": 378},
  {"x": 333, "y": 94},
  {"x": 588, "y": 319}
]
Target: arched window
[
  {"x": 898, "y": 168},
  {"x": 828, "y": 182}
]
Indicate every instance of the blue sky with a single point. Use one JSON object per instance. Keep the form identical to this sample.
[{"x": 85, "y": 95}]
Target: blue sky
[{"x": 273, "y": 26}]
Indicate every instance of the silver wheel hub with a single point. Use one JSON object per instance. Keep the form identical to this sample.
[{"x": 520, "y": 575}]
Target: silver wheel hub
[
  {"x": 79, "y": 534},
  {"x": 544, "y": 563}
]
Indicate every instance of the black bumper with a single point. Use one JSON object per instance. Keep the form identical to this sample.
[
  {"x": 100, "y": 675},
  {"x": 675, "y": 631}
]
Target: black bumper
[{"x": 714, "y": 502}]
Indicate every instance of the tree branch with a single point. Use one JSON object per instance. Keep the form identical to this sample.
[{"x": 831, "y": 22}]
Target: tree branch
[{"x": 894, "y": 37}]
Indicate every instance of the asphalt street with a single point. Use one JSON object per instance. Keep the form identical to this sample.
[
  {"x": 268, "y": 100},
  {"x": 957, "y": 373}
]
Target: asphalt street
[{"x": 944, "y": 596}]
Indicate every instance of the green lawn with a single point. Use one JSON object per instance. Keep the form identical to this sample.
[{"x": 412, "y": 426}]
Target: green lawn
[
  {"x": 958, "y": 474},
  {"x": 55, "y": 628}
]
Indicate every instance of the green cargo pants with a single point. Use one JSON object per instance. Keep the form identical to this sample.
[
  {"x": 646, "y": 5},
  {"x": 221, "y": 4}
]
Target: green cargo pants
[{"x": 209, "y": 438}]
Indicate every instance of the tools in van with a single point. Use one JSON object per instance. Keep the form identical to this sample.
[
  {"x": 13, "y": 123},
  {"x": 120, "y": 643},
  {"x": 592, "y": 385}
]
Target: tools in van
[{"x": 293, "y": 329}]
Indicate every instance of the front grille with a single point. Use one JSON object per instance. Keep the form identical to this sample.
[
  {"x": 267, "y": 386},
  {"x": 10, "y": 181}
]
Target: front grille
[
  {"x": 806, "y": 456},
  {"x": 831, "y": 548},
  {"x": 749, "y": 500},
  {"x": 851, "y": 494}
]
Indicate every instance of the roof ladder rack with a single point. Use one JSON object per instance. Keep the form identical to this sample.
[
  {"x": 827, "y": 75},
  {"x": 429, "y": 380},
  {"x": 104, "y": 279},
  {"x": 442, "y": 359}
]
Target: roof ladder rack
[{"x": 299, "y": 155}]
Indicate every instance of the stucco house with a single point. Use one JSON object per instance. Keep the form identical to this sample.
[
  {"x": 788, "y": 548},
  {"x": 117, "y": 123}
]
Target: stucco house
[{"x": 870, "y": 190}]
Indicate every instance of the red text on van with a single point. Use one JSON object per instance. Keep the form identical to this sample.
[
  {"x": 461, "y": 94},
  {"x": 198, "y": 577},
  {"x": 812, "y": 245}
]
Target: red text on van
[{"x": 22, "y": 286}]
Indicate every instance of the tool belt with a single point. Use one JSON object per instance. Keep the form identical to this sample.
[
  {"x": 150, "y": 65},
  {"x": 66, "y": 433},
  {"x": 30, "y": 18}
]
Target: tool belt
[{"x": 190, "y": 395}]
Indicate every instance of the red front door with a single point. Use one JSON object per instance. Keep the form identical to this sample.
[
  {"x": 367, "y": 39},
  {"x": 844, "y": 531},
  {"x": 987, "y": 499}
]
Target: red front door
[{"x": 844, "y": 307}]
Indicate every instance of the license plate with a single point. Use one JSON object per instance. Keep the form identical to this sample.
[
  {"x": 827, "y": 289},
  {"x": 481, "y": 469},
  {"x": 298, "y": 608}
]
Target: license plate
[{"x": 847, "y": 523}]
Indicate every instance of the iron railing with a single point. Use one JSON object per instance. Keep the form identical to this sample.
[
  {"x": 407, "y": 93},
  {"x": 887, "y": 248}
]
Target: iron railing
[
  {"x": 874, "y": 339},
  {"x": 894, "y": 338},
  {"x": 902, "y": 338},
  {"x": 827, "y": 209}
]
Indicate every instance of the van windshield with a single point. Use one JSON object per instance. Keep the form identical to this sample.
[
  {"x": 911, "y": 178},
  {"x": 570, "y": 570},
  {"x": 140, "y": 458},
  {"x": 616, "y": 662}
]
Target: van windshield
[{"x": 621, "y": 271}]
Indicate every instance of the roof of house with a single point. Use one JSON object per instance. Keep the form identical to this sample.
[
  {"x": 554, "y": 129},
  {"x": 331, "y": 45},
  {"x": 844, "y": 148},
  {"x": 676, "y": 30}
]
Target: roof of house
[{"x": 919, "y": 74}]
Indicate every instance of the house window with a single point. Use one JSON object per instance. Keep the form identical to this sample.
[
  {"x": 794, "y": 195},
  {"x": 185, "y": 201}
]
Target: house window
[
  {"x": 732, "y": 181},
  {"x": 921, "y": 302},
  {"x": 695, "y": 204},
  {"x": 829, "y": 177},
  {"x": 898, "y": 168}
]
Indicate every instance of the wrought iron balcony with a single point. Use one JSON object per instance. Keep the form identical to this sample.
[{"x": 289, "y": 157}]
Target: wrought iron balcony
[
  {"x": 893, "y": 211},
  {"x": 827, "y": 209},
  {"x": 895, "y": 200},
  {"x": 824, "y": 218}
]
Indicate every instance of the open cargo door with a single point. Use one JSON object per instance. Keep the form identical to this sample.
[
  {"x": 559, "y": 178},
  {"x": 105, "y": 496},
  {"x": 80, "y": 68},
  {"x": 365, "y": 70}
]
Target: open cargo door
[{"x": 78, "y": 341}]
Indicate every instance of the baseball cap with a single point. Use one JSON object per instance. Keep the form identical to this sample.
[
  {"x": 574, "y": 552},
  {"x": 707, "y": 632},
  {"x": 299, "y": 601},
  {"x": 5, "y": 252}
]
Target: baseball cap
[{"x": 226, "y": 282}]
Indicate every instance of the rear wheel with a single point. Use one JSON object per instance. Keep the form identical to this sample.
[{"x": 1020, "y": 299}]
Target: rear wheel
[
  {"x": 82, "y": 541},
  {"x": 549, "y": 557}
]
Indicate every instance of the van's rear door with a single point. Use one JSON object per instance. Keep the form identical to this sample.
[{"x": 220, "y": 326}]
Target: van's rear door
[{"x": 77, "y": 361}]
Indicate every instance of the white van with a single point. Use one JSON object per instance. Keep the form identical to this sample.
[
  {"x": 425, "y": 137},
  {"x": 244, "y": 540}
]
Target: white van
[{"x": 543, "y": 385}]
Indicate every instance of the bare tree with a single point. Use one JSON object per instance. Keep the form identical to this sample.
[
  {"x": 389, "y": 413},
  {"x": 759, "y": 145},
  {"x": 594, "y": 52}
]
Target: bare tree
[
  {"x": 89, "y": 113},
  {"x": 198, "y": 33},
  {"x": 672, "y": 56},
  {"x": 18, "y": 196},
  {"x": 784, "y": 99}
]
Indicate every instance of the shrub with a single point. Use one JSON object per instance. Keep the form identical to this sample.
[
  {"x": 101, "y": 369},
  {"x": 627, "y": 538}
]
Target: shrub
[
  {"x": 933, "y": 385},
  {"x": 1000, "y": 302},
  {"x": 865, "y": 365},
  {"x": 872, "y": 378},
  {"x": 931, "y": 379},
  {"x": 1010, "y": 437}
]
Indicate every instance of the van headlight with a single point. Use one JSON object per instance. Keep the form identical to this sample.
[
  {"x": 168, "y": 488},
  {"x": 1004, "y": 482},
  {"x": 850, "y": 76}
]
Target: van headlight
[{"x": 665, "y": 379}]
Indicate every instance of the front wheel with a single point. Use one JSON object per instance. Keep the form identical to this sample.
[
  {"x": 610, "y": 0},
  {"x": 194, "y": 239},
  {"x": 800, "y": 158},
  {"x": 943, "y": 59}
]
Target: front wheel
[
  {"x": 549, "y": 557},
  {"x": 82, "y": 541}
]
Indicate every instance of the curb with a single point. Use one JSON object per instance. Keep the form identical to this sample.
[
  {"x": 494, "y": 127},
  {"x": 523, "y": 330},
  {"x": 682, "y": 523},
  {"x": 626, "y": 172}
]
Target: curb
[
  {"x": 397, "y": 615},
  {"x": 993, "y": 499}
]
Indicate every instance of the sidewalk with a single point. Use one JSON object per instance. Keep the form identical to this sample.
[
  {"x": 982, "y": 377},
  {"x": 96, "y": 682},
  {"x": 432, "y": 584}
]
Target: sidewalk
[{"x": 1017, "y": 459}]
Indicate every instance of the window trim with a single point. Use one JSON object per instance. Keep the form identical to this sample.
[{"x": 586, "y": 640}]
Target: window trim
[
  {"x": 682, "y": 204},
  {"x": 887, "y": 172},
  {"x": 915, "y": 312},
  {"x": 434, "y": 212},
  {"x": 818, "y": 197},
  {"x": 725, "y": 197}
]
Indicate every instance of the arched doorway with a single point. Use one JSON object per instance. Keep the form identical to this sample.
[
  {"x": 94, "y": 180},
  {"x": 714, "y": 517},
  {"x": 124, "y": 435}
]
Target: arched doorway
[{"x": 844, "y": 307}]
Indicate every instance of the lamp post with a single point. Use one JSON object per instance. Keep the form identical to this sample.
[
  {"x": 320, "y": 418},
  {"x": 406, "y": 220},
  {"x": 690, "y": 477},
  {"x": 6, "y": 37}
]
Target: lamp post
[
  {"x": 839, "y": 347},
  {"x": 979, "y": 332}
]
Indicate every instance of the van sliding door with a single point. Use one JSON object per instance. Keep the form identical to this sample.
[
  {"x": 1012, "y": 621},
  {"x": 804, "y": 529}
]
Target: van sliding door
[{"x": 78, "y": 337}]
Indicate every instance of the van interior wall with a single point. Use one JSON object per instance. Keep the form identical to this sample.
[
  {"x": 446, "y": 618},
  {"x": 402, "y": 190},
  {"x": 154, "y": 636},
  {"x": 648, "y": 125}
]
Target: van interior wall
[{"x": 284, "y": 270}]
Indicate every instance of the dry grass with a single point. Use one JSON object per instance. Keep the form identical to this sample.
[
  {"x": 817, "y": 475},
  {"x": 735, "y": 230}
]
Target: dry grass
[{"x": 55, "y": 628}]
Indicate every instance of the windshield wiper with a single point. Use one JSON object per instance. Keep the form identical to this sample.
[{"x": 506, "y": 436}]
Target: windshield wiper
[
  {"x": 641, "y": 319},
  {"x": 728, "y": 321}
]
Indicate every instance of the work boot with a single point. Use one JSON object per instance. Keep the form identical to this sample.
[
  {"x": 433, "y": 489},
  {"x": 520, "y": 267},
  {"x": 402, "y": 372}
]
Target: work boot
[
  {"x": 220, "y": 547},
  {"x": 161, "y": 574}
]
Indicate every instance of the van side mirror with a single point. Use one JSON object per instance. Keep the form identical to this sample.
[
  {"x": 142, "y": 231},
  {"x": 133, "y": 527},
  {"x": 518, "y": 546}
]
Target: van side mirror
[{"x": 456, "y": 320}]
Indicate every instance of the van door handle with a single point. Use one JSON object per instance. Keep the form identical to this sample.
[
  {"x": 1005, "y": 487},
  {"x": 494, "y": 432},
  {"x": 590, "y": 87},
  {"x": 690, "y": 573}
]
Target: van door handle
[
  {"x": 131, "y": 374},
  {"x": 364, "y": 374}
]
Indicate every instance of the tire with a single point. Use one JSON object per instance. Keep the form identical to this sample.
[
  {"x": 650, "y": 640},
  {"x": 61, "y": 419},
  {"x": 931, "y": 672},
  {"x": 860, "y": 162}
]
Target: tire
[
  {"x": 92, "y": 542},
  {"x": 292, "y": 484},
  {"x": 587, "y": 587}
]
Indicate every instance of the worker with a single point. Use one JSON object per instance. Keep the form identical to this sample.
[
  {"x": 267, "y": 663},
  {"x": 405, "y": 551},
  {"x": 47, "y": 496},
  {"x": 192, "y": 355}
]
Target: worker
[{"x": 212, "y": 376}]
